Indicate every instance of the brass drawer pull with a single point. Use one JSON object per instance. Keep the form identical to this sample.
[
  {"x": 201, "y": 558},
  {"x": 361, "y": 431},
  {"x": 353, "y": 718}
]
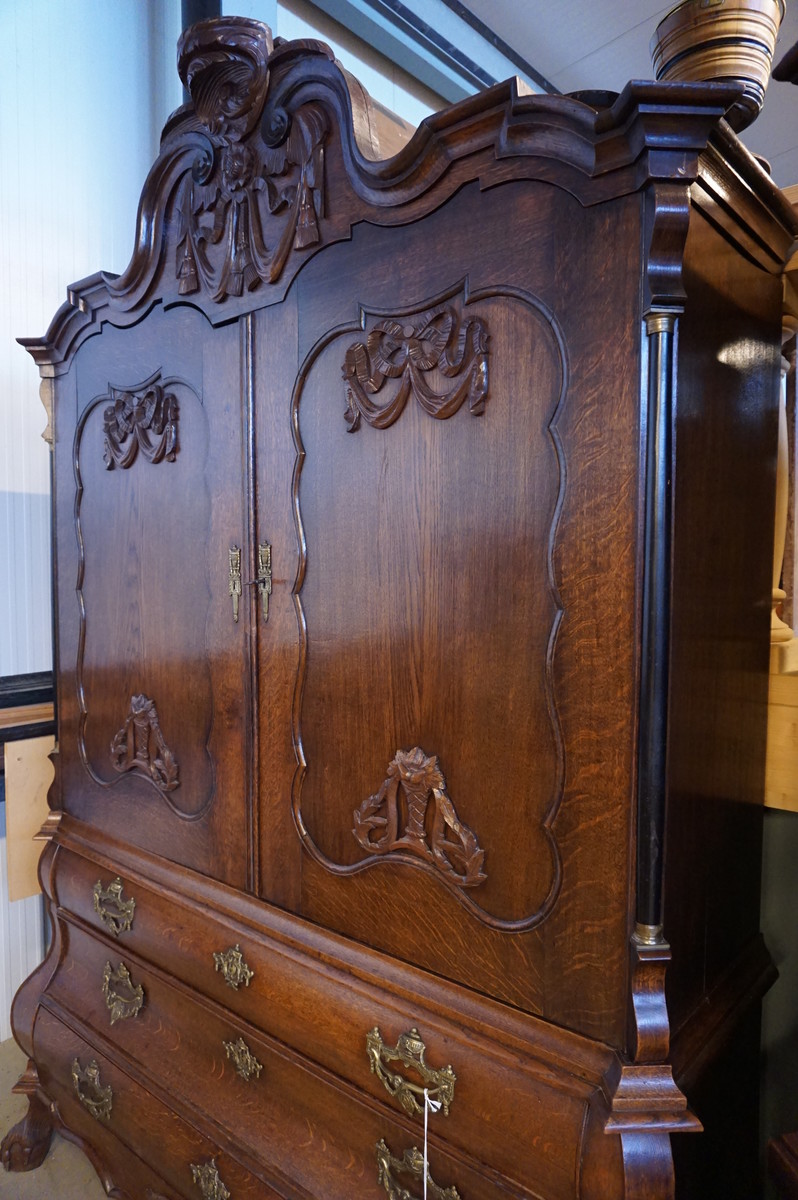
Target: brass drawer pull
[
  {"x": 206, "y": 1179},
  {"x": 232, "y": 965},
  {"x": 246, "y": 1064},
  {"x": 410, "y": 1051},
  {"x": 114, "y": 912},
  {"x": 411, "y": 1163},
  {"x": 122, "y": 999},
  {"x": 97, "y": 1098}
]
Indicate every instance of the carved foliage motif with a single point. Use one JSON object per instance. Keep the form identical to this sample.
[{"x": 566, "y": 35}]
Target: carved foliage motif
[
  {"x": 229, "y": 198},
  {"x": 409, "y": 349},
  {"x": 144, "y": 420},
  {"x": 139, "y": 746},
  {"x": 397, "y": 819}
]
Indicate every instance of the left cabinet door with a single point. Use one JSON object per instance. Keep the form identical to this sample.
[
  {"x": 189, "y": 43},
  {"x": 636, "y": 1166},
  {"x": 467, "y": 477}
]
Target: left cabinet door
[{"x": 153, "y": 610}]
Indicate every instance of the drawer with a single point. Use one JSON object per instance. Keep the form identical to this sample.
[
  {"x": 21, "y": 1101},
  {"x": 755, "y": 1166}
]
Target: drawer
[
  {"x": 169, "y": 1147},
  {"x": 523, "y": 1091},
  {"x": 270, "y": 1101}
]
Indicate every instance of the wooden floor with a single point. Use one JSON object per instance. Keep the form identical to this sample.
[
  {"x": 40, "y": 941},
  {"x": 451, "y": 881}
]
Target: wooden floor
[{"x": 66, "y": 1173}]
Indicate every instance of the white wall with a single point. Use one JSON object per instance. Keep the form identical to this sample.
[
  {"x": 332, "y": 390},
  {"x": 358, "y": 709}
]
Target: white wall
[{"x": 84, "y": 89}]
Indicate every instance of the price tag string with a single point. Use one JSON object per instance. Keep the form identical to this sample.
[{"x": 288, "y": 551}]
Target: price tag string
[{"x": 429, "y": 1106}]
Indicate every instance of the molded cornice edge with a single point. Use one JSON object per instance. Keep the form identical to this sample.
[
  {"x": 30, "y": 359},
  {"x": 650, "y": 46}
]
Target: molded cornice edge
[{"x": 275, "y": 158}]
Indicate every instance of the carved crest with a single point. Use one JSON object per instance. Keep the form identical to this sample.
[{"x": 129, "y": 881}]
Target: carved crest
[
  {"x": 227, "y": 201},
  {"x": 145, "y": 420},
  {"x": 139, "y": 746},
  {"x": 411, "y": 349},
  {"x": 413, "y": 813}
]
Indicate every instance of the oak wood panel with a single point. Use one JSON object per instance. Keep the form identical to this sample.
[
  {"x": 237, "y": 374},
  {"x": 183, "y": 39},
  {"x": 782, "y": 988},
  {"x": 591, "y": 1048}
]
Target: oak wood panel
[
  {"x": 544, "y": 1086},
  {"x": 292, "y": 1099},
  {"x": 594, "y": 575},
  {"x": 162, "y": 532},
  {"x": 137, "y": 1117},
  {"x": 726, "y": 461}
]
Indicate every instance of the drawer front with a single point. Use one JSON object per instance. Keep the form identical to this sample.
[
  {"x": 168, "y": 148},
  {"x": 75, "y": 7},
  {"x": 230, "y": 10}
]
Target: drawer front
[
  {"x": 517, "y": 1101},
  {"x": 112, "y": 1108},
  {"x": 266, "y": 1098}
]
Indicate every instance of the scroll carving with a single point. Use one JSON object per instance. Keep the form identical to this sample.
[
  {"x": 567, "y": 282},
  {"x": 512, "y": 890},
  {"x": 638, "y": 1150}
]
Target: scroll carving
[
  {"x": 396, "y": 819},
  {"x": 140, "y": 746},
  {"x": 141, "y": 420},
  {"x": 227, "y": 199},
  {"x": 439, "y": 340}
]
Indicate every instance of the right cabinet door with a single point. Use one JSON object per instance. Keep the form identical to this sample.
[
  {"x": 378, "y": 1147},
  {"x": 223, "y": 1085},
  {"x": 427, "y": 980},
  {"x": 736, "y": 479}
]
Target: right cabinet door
[{"x": 436, "y": 547}]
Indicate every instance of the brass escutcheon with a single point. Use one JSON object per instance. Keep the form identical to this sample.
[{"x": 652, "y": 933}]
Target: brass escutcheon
[
  {"x": 97, "y": 1098},
  {"x": 232, "y": 965},
  {"x": 411, "y": 1163},
  {"x": 410, "y": 1051},
  {"x": 264, "y": 580},
  {"x": 122, "y": 999},
  {"x": 115, "y": 913},
  {"x": 246, "y": 1064},
  {"x": 206, "y": 1179},
  {"x": 234, "y": 582}
]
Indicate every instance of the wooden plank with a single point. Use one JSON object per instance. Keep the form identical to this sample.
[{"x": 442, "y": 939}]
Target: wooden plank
[
  {"x": 29, "y": 774},
  {"x": 26, "y": 714}
]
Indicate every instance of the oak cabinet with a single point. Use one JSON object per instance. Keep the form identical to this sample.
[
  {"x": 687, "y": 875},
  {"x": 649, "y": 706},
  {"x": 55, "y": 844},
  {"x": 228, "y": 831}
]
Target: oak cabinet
[{"x": 412, "y": 648}]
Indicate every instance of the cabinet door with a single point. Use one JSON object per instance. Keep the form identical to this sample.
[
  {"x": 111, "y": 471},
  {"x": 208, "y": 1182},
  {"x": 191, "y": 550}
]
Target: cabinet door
[
  {"x": 462, "y": 513},
  {"x": 153, "y": 645}
]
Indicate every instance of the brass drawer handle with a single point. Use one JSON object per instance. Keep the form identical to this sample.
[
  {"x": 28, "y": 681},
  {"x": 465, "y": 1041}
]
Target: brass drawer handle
[
  {"x": 411, "y": 1163},
  {"x": 122, "y": 998},
  {"x": 410, "y": 1051},
  {"x": 246, "y": 1064},
  {"x": 232, "y": 965},
  {"x": 97, "y": 1098},
  {"x": 114, "y": 912},
  {"x": 206, "y": 1179}
]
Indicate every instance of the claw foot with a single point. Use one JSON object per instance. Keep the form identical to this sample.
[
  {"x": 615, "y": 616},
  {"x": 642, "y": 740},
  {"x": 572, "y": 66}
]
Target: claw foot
[{"x": 25, "y": 1146}]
